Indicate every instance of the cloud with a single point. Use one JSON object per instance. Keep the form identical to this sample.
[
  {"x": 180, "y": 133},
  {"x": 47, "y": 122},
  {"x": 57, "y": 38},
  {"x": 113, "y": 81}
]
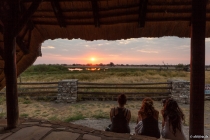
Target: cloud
[
  {"x": 147, "y": 51},
  {"x": 183, "y": 47},
  {"x": 48, "y": 47},
  {"x": 113, "y": 55},
  {"x": 134, "y": 50},
  {"x": 123, "y": 42},
  {"x": 65, "y": 50}
]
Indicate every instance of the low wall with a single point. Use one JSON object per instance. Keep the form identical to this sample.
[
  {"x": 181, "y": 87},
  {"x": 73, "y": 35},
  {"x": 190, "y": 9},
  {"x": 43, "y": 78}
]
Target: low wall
[
  {"x": 67, "y": 91},
  {"x": 180, "y": 90}
]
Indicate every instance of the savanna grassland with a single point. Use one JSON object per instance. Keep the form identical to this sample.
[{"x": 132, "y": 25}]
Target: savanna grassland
[
  {"x": 47, "y": 73},
  {"x": 50, "y": 110},
  {"x": 56, "y": 73}
]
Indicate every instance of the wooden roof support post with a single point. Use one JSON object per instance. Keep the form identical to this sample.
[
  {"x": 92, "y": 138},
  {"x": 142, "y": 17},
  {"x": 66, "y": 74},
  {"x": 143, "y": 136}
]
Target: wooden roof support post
[
  {"x": 12, "y": 27},
  {"x": 1, "y": 28},
  {"x": 2, "y": 53},
  {"x": 10, "y": 68},
  {"x": 197, "y": 75}
]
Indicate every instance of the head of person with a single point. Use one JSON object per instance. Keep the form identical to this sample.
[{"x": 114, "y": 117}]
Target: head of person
[
  {"x": 147, "y": 107},
  {"x": 174, "y": 113},
  {"x": 122, "y": 99}
]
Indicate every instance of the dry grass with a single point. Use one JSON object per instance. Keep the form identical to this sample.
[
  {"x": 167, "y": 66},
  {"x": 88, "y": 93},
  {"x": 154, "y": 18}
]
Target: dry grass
[
  {"x": 110, "y": 76},
  {"x": 96, "y": 109},
  {"x": 86, "y": 109}
]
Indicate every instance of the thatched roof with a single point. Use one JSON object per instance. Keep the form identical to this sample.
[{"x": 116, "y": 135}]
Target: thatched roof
[{"x": 97, "y": 19}]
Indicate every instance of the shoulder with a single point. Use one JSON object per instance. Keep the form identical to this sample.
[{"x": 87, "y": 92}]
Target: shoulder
[
  {"x": 127, "y": 110},
  {"x": 114, "y": 109}
]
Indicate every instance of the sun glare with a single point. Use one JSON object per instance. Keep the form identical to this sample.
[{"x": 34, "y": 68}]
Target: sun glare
[{"x": 92, "y": 59}]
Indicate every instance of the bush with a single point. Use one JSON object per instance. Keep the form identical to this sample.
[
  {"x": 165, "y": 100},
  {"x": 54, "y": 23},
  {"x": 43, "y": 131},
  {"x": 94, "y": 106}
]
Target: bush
[{"x": 46, "y": 68}]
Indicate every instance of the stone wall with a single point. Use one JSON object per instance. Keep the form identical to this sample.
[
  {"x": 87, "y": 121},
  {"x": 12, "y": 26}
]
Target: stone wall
[
  {"x": 180, "y": 90},
  {"x": 67, "y": 91}
]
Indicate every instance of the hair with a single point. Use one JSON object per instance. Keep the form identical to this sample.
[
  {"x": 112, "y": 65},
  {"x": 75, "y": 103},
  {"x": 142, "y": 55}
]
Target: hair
[
  {"x": 163, "y": 102},
  {"x": 147, "y": 107},
  {"x": 174, "y": 113},
  {"x": 122, "y": 99}
]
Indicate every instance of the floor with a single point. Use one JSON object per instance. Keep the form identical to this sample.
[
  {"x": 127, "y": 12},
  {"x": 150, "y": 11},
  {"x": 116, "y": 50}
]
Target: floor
[{"x": 32, "y": 129}]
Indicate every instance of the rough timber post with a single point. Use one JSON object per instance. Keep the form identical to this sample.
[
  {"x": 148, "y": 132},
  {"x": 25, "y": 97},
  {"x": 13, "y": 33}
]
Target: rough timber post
[
  {"x": 197, "y": 76},
  {"x": 10, "y": 64}
]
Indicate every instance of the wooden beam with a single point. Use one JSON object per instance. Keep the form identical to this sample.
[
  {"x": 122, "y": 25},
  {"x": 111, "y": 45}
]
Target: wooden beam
[
  {"x": 197, "y": 74},
  {"x": 10, "y": 68},
  {"x": 95, "y": 12},
  {"x": 121, "y": 13},
  {"x": 25, "y": 18},
  {"x": 25, "y": 44},
  {"x": 22, "y": 45},
  {"x": 2, "y": 53},
  {"x": 142, "y": 12},
  {"x": 1, "y": 29},
  {"x": 58, "y": 13},
  {"x": 150, "y": 9},
  {"x": 115, "y": 22},
  {"x": 151, "y": 3}
]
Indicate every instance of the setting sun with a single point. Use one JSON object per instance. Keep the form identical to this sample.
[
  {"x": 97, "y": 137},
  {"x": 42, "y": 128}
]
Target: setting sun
[{"x": 92, "y": 59}]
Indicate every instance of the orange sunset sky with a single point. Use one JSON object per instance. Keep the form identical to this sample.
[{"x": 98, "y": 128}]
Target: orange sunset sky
[{"x": 171, "y": 50}]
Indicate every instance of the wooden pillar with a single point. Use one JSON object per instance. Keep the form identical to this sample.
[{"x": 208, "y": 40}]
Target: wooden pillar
[
  {"x": 197, "y": 75},
  {"x": 10, "y": 71}
]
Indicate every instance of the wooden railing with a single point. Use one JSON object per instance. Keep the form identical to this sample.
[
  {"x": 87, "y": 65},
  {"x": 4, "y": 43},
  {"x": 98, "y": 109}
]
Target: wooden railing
[
  {"x": 101, "y": 91},
  {"x": 38, "y": 88},
  {"x": 107, "y": 91}
]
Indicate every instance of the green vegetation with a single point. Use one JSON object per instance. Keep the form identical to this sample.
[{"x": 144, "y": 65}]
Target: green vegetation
[
  {"x": 54, "y": 118},
  {"x": 99, "y": 114},
  {"x": 85, "y": 109},
  {"x": 77, "y": 116},
  {"x": 50, "y": 73},
  {"x": 27, "y": 102},
  {"x": 24, "y": 100},
  {"x": 24, "y": 115},
  {"x": 2, "y": 115},
  {"x": 2, "y": 99},
  {"x": 43, "y": 68},
  {"x": 47, "y": 73}
]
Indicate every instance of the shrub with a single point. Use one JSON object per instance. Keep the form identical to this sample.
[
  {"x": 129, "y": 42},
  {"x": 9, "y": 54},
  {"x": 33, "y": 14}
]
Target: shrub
[{"x": 74, "y": 118}]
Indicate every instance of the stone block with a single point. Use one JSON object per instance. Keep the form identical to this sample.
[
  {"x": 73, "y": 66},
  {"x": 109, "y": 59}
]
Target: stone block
[
  {"x": 91, "y": 137},
  {"x": 62, "y": 136},
  {"x": 66, "y": 90},
  {"x": 2, "y": 136},
  {"x": 34, "y": 132},
  {"x": 30, "y": 123},
  {"x": 45, "y": 124}
]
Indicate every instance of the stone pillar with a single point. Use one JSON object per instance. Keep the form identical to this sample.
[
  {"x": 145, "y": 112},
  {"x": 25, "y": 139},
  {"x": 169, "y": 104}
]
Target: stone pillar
[
  {"x": 180, "y": 90},
  {"x": 67, "y": 91}
]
